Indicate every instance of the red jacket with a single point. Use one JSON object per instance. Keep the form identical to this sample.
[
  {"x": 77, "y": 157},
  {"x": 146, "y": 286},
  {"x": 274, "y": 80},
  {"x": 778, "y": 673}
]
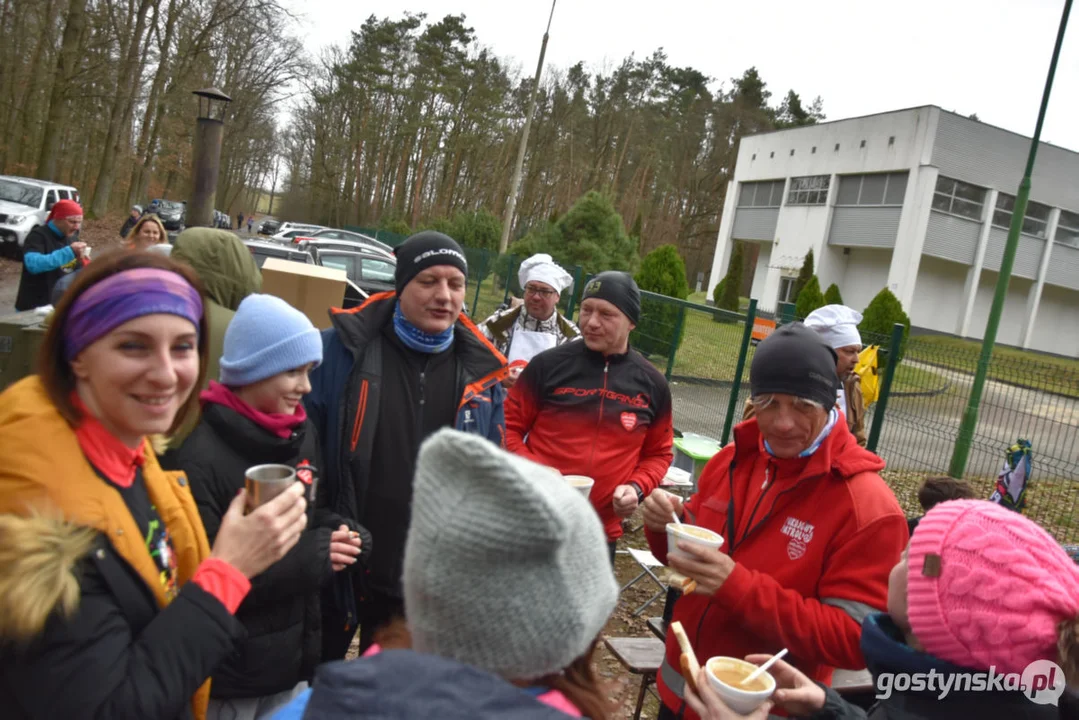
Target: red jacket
[
  {"x": 584, "y": 414},
  {"x": 814, "y": 540}
]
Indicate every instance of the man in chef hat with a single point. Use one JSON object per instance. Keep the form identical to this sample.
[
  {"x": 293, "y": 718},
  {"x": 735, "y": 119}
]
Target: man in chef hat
[
  {"x": 520, "y": 333},
  {"x": 837, "y": 326}
]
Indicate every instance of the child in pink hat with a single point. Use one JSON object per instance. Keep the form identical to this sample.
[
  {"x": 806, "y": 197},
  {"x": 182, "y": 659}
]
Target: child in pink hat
[{"x": 980, "y": 591}]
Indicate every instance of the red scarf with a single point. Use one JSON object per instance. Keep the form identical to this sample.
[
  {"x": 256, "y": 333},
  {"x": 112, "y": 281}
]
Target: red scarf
[
  {"x": 280, "y": 424},
  {"x": 105, "y": 452}
]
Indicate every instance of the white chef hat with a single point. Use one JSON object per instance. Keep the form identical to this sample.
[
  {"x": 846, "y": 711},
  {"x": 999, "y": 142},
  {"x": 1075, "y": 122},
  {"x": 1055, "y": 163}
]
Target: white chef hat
[
  {"x": 541, "y": 267},
  {"x": 837, "y": 325}
]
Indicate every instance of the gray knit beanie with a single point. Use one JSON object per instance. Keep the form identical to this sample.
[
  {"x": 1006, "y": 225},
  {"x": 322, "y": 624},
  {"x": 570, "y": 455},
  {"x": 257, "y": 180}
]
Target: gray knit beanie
[{"x": 506, "y": 566}]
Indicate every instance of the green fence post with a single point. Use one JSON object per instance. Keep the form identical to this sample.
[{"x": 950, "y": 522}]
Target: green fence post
[
  {"x": 885, "y": 388},
  {"x": 785, "y": 313},
  {"x": 736, "y": 384},
  {"x": 479, "y": 283},
  {"x": 577, "y": 289},
  {"x": 674, "y": 341}
]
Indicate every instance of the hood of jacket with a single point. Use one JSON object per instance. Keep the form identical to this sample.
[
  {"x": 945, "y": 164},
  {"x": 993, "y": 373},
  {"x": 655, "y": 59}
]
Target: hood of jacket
[
  {"x": 839, "y": 455},
  {"x": 358, "y": 326},
  {"x": 223, "y": 263},
  {"x": 38, "y": 555},
  {"x": 406, "y": 684}
]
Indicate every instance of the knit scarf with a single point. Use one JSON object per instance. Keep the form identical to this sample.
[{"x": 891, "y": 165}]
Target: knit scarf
[
  {"x": 417, "y": 339},
  {"x": 279, "y": 424},
  {"x": 833, "y": 416}
]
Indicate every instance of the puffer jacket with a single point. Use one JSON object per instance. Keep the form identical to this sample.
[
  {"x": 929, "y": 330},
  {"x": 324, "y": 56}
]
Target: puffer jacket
[
  {"x": 889, "y": 657},
  {"x": 281, "y": 613},
  {"x": 229, "y": 274},
  {"x": 86, "y": 628}
]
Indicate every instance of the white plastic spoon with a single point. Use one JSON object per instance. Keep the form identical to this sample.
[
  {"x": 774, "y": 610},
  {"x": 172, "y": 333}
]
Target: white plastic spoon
[{"x": 763, "y": 668}]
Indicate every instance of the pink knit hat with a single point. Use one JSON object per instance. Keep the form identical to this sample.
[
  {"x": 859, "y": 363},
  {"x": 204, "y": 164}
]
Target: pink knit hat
[{"x": 987, "y": 587}]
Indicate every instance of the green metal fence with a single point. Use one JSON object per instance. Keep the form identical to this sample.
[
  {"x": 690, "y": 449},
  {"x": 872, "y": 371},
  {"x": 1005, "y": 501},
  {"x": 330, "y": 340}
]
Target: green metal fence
[
  {"x": 390, "y": 238},
  {"x": 705, "y": 354}
]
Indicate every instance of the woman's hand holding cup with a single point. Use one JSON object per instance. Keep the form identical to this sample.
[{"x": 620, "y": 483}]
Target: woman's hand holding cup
[
  {"x": 344, "y": 548},
  {"x": 253, "y": 542},
  {"x": 795, "y": 692},
  {"x": 658, "y": 508}
]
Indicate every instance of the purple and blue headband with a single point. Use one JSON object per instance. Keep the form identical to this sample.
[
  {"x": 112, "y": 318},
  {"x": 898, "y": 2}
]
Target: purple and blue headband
[{"x": 125, "y": 296}]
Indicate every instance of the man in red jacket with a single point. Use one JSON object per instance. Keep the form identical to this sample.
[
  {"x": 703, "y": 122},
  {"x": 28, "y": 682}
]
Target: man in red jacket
[
  {"x": 810, "y": 530},
  {"x": 597, "y": 408}
]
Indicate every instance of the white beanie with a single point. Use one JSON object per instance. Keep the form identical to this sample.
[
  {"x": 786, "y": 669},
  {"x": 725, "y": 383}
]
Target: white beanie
[
  {"x": 837, "y": 325},
  {"x": 506, "y": 566},
  {"x": 542, "y": 268}
]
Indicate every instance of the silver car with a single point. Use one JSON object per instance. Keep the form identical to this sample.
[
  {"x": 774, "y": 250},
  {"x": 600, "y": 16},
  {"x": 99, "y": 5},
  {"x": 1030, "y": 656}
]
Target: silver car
[{"x": 24, "y": 203}]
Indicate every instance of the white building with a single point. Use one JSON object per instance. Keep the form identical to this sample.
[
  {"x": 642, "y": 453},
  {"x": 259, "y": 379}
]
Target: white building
[{"x": 918, "y": 201}]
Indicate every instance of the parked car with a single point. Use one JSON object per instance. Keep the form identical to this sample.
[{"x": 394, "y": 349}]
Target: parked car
[
  {"x": 371, "y": 272},
  {"x": 24, "y": 203},
  {"x": 318, "y": 241},
  {"x": 332, "y": 234},
  {"x": 287, "y": 226},
  {"x": 172, "y": 212},
  {"x": 270, "y": 226},
  {"x": 288, "y": 237},
  {"x": 221, "y": 220},
  {"x": 262, "y": 251}
]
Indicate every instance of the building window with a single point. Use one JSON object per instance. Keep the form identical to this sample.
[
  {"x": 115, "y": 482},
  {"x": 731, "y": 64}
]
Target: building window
[
  {"x": 875, "y": 189},
  {"x": 863, "y": 143},
  {"x": 792, "y": 152},
  {"x": 808, "y": 190},
  {"x": 959, "y": 198},
  {"x": 1035, "y": 221},
  {"x": 837, "y": 147},
  {"x": 1068, "y": 229},
  {"x": 771, "y": 154},
  {"x": 754, "y": 156},
  {"x": 786, "y": 289},
  {"x": 768, "y": 193},
  {"x": 891, "y": 140},
  {"x": 813, "y": 151}
]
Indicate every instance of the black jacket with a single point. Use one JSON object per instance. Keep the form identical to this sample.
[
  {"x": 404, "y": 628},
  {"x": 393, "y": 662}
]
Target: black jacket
[
  {"x": 144, "y": 661},
  {"x": 886, "y": 653},
  {"x": 281, "y": 613},
  {"x": 344, "y": 403},
  {"x": 35, "y": 289}
]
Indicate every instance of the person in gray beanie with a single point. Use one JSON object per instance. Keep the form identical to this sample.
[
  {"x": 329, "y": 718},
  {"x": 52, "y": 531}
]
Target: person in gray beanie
[
  {"x": 505, "y": 571},
  {"x": 255, "y": 416}
]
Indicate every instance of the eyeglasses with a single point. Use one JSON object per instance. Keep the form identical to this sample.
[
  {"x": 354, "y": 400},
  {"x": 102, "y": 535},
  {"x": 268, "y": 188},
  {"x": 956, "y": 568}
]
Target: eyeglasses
[{"x": 542, "y": 292}]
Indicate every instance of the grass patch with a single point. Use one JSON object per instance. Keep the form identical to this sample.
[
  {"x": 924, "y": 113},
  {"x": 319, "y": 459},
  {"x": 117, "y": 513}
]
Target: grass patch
[
  {"x": 910, "y": 379},
  {"x": 1051, "y": 373},
  {"x": 1052, "y": 503}
]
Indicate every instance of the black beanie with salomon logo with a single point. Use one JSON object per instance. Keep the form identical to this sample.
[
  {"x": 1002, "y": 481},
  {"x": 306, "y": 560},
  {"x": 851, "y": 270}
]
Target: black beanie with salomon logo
[
  {"x": 423, "y": 250},
  {"x": 793, "y": 360}
]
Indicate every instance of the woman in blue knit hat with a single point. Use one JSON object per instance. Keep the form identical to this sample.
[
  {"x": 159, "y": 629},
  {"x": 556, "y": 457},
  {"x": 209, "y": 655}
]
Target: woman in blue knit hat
[{"x": 255, "y": 416}]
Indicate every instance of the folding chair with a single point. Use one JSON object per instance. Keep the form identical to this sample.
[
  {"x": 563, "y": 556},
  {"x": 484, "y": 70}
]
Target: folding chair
[{"x": 646, "y": 561}]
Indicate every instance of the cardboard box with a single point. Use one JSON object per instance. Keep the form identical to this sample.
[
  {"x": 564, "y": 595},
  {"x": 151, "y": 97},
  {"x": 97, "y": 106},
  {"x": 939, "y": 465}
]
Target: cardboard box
[
  {"x": 311, "y": 289},
  {"x": 20, "y": 337}
]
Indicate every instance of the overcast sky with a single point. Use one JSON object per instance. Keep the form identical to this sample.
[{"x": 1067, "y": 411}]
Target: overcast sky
[{"x": 987, "y": 57}]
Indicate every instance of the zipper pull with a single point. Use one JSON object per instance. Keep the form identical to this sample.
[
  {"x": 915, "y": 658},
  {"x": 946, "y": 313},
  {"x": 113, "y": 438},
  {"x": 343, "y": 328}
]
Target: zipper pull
[
  {"x": 767, "y": 476},
  {"x": 606, "y": 365}
]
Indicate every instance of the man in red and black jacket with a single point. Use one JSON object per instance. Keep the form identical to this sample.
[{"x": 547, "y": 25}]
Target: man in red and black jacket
[{"x": 597, "y": 408}]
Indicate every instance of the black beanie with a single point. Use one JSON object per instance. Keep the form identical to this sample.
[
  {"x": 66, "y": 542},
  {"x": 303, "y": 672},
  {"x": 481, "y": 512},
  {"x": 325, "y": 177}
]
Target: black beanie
[
  {"x": 423, "y": 250},
  {"x": 617, "y": 288},
  {"x": 793, "y": 360}
]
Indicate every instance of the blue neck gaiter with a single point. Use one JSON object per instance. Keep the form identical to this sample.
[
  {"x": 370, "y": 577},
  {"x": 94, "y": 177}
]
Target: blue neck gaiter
[
  {"x": 833, "y": 417},
  {"x": 417, "y": 339}
]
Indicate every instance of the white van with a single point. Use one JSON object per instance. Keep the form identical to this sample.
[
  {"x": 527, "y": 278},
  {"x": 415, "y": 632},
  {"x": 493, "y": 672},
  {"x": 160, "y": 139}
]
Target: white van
[{"x": 24, "y": 203}]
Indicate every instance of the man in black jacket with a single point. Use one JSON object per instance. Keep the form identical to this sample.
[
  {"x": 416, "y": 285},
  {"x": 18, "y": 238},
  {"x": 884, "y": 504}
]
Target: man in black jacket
[
  {"x": 49, "y": 253},
  {"x": 395, "y": 370}
]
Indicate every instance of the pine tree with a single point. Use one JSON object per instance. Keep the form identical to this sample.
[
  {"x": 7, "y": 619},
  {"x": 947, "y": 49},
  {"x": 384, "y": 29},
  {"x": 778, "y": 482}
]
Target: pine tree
[
  {"x": 662, "y": 272},
  {"x": 803, "y": 275},
  {"x": 733, "y": 280},
  {"x": 882, "y": 313},
  {"x": 809, "y": 299},
  {"x": 832, "y": 295}
]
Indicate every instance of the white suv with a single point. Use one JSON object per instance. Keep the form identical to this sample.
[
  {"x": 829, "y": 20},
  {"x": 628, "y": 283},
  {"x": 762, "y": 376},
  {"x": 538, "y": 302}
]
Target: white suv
[{"x": 24, "y": 203}]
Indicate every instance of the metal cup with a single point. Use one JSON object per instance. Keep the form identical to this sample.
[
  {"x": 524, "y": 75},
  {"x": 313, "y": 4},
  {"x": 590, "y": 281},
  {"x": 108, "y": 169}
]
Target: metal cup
[{"x": 265, "y": 482}]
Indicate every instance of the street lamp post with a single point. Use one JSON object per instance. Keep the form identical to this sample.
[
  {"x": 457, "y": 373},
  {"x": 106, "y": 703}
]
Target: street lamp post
[
  {"x": 209, "y": 131},
  {"x": 961, "y": 453}
]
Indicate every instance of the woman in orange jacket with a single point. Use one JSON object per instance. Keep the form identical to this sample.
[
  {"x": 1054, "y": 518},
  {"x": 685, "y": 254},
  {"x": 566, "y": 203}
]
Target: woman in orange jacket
[{"x": 112, "y": 603}]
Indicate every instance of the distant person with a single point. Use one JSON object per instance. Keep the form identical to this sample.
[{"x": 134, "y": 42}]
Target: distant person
[
  {"x": 50, "y": 252},
  {"x": 936, "y": 490},
  {"x": 147, "y": 232},
  {"x": 250, "y": 223},
  {"x": 136, "y": 213},
  {"x": 527, "y": 329},
  {"x": 240, "y": 221}
]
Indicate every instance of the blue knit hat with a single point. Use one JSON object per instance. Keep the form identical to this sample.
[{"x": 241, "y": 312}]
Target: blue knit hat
[{"x": 266, "y": 337}]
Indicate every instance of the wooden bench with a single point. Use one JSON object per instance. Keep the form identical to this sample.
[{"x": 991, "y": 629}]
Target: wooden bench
[{"x": 641, "y": 656}]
